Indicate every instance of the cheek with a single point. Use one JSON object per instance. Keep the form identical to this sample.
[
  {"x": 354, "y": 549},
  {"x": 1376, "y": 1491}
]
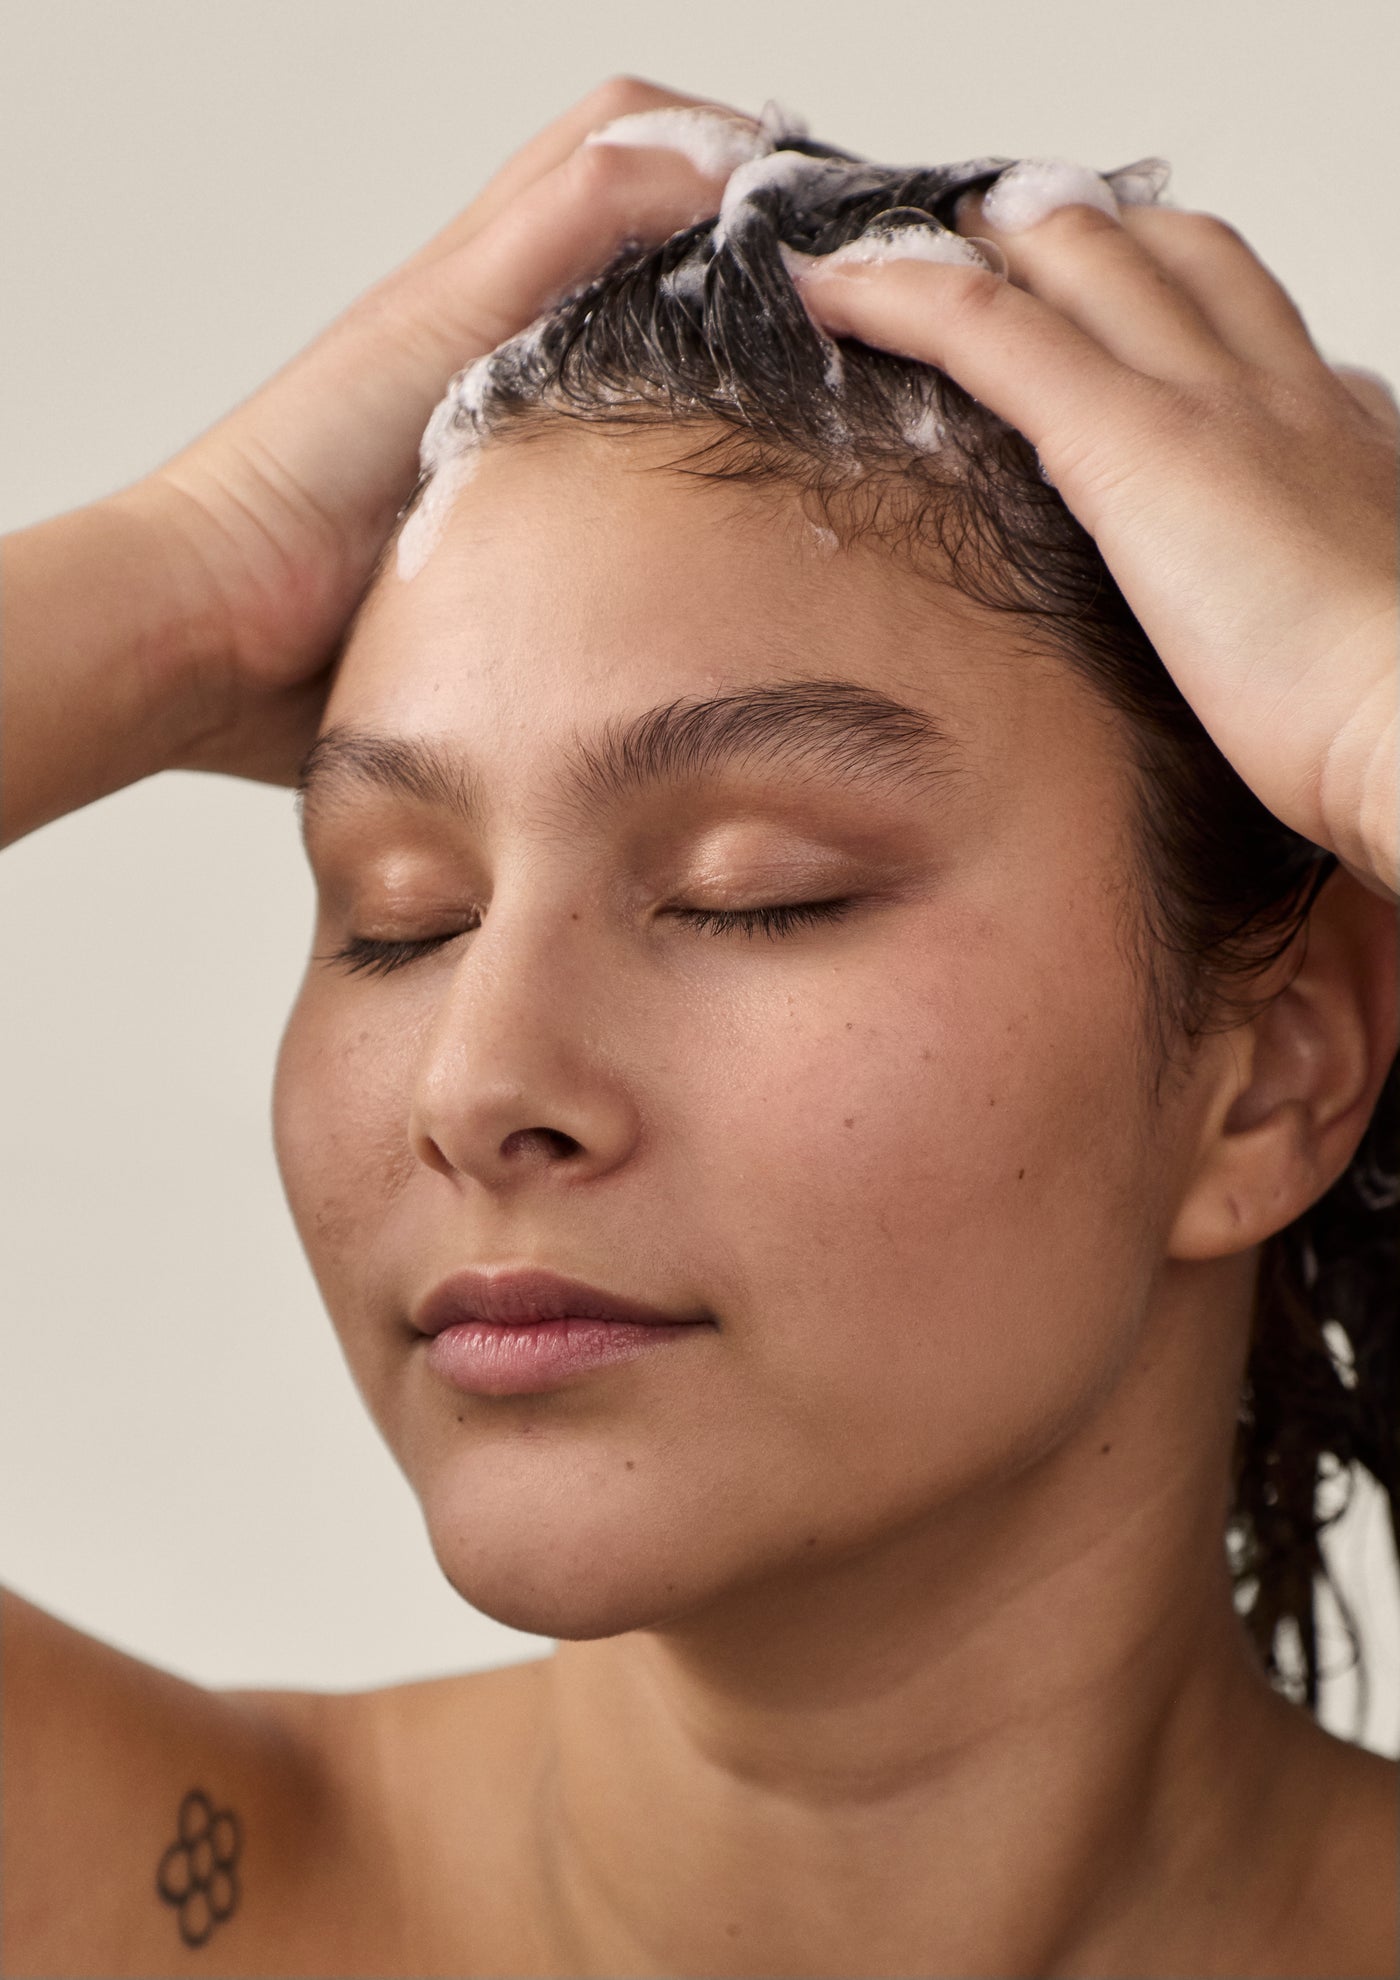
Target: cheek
[
  {"x": 344, "y": 1159},
  {"x": 937, "y": 1206}
]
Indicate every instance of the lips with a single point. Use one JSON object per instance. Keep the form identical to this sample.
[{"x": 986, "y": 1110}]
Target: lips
[
  {"x": 523, "y": 1333},
  {"x": 517, "y": 1299}
]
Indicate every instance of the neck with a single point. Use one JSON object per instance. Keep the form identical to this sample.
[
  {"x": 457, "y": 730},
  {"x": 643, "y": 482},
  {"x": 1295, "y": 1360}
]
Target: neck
[{"x": 1001, "y": 1742}]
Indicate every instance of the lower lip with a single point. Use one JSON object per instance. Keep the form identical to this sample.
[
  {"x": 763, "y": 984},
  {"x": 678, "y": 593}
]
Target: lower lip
[{"x": 486, "y": 1358}]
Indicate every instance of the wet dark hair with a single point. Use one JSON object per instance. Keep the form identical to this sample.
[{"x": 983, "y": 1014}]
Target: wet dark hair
[{"x": 709, "y": 334}]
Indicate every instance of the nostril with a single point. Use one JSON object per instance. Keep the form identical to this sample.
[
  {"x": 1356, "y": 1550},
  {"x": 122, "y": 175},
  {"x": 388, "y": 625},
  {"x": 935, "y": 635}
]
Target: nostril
[{"x": 549, "y": 1142}]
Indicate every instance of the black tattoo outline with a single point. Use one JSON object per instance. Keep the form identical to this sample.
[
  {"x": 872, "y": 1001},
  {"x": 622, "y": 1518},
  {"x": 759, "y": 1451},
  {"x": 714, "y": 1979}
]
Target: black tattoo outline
[{"x": 198, "y": 1874}]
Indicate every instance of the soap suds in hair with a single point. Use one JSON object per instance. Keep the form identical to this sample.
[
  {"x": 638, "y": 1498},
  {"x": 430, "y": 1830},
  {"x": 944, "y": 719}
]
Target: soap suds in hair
[
  {"x": 686, "y": 280},
  {"x": 778, "y": 124},
  {"x": 715, "y": 141},
  {"x": 792, "y": 172},
  {"x": 1140, "y": 184},
  {"x": 775, "y": 197},
  {"x": 1028, "y": 191},
  {"x": 926, "y": 242},
  {"x": 923, "y": 431}
]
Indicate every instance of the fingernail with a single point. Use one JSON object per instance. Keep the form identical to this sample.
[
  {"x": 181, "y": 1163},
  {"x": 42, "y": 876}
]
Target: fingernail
[
  {"x": 1028, "y": 191},
  {"x": 716, "y": 142},
  {"x": 1141, "y": 184}
]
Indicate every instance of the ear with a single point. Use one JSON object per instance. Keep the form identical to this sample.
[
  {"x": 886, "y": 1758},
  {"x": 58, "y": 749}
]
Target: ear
[{"x": 1293, "y": 1089}]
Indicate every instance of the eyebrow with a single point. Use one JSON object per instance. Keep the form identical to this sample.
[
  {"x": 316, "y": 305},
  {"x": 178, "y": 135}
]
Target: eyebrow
[{"x": 833, "y": 728}]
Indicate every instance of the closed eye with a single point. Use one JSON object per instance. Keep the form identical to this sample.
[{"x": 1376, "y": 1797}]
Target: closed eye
[
  {"x": 772, "y": 921},
  {"x": 366, "y": 955}
]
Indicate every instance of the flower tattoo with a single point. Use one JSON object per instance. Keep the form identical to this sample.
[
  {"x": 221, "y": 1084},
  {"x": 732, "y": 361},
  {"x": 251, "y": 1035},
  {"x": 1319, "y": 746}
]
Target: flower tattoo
[{"x": 198, "y": 1874}]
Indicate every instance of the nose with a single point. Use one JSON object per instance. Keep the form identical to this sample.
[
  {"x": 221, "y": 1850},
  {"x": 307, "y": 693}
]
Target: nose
[{"x": 515, "y": 1078}]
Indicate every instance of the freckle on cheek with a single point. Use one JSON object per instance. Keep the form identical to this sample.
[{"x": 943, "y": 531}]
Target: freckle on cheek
[{"x": 850, "y": 1120}]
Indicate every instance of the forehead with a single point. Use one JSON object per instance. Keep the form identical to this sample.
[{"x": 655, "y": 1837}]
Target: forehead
[{"x": 582, "y": 577}]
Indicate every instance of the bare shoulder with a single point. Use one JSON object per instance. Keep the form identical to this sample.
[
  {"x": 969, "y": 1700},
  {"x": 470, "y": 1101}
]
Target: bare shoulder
[
  {"x": 1344, "y": 1919},
  {"x": 139, "y": 1811},
  {"x": 152, "y": 1826}
]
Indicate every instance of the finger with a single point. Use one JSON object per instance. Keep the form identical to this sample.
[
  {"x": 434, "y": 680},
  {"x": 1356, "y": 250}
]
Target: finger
[
  {"x": 557, "y": 233},
  {"x": 622, "y": 96},
  {"x": 1085, "y": 263},
  {"x": 1008, "y": 348},
  {"x": 1248, "y": 308}
]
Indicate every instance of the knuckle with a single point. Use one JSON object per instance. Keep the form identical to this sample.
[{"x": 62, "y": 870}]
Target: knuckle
[{"x": 970, "y": 293}]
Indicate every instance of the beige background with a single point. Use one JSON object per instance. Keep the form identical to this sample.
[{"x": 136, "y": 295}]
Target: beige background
[{"x": 190, "y": 190}]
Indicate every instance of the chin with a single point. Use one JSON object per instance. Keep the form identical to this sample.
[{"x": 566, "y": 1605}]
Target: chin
[
  {"x": 570, "y": 1551},
  {"x": 571, "y": 1595}
]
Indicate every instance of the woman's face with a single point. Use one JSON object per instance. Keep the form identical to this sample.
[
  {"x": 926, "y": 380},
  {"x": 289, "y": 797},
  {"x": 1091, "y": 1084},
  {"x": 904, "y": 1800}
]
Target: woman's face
[{"x": 904, "y": 1158}]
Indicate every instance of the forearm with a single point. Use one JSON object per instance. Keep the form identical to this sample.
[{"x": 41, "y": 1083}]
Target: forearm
[{"x": 99, "y": 639}]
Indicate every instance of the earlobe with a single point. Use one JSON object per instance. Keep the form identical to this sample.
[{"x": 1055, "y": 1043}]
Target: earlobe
[{"x": 1294, "y": 1092}]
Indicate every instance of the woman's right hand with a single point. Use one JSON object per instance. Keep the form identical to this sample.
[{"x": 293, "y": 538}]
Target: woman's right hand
[{"x": 191, "y": 621}]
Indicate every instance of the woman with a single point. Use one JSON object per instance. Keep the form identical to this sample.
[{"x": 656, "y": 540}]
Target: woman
[{"x": 808, "y": 1044}]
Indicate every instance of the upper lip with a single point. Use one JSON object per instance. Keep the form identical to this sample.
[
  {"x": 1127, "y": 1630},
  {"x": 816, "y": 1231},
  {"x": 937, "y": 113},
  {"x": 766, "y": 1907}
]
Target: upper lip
[{"x": 515, "y": 1298}]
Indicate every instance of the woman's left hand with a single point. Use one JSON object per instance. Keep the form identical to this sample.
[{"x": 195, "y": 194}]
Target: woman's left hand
[{"x": 1242, "y": 494}]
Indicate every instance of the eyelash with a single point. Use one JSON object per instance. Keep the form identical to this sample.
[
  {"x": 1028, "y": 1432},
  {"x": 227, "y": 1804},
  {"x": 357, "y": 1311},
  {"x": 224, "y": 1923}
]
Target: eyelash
[{"x": 364, "y": 955}]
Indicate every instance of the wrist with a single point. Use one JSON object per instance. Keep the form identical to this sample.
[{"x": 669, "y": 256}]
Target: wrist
[
  {"x": 182, "y": 655},
  {"x": 109, "y": 652}
]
